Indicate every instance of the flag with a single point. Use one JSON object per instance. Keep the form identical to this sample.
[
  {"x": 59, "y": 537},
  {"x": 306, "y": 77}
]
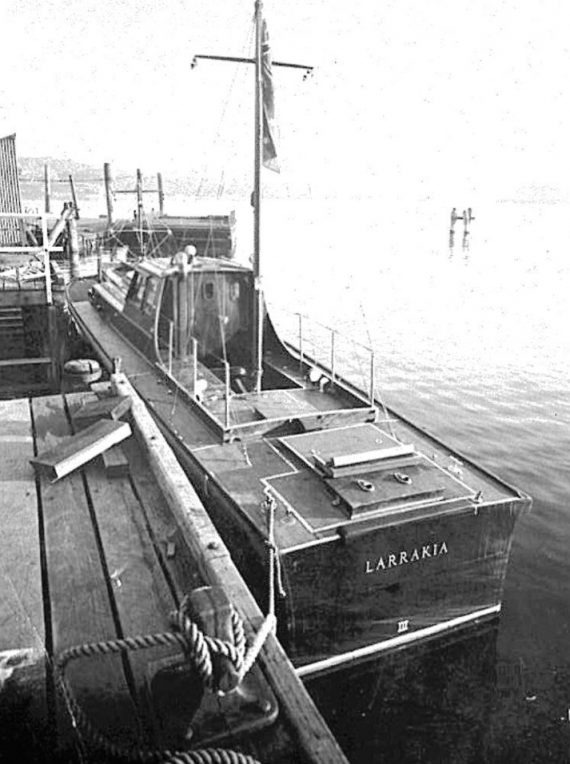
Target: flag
[{"x": 269, "y": 153}]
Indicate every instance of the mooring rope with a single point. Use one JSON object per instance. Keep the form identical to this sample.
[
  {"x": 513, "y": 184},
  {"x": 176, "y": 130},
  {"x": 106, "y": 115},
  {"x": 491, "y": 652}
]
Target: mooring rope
[{"x": 197, "y": 647}]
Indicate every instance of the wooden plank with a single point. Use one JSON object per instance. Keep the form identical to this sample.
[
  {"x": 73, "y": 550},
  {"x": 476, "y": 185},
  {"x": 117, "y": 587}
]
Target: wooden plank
[
  {"x": 24, "y": 361},
  {"x": 102, "y": 389},
  {"x": 73, "y": 452},
  {"x": 105, "y": 408},
  {"x": 81, "y": 611},
  {"x": 142, "y": 598},
  {"x": 115, "y": 462},
  {"x": 310, "y": 730},
  {"x": 22, "y": 631}
]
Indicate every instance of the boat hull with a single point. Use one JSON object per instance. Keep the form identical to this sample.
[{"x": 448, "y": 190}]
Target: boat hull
[
  {"x": 372, "y": 583},
  {"x": 358, "y": 594}
]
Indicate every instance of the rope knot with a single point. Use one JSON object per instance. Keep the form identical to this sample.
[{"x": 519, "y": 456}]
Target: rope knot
[{"x": 216, "y": 647}]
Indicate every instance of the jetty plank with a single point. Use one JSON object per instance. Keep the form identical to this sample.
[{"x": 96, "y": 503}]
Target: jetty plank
[
  {"x": 22, "y": 630},
  {"x": 310, "y": 730},
  {"x": 81, "y": 611},
  {"x": 142, "y": 597},
  {"x": 115, "y": 462}
]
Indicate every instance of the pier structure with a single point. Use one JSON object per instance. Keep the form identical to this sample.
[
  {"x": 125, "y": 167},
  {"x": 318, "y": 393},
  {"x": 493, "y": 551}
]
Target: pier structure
[
  {"x": 100, "y": 558},
  {"x": 31, "y": 346}
]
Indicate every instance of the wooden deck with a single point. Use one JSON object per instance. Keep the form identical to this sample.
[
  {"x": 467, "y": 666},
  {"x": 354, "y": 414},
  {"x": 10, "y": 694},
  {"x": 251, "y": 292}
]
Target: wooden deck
[{"x": 92, "y": 557}]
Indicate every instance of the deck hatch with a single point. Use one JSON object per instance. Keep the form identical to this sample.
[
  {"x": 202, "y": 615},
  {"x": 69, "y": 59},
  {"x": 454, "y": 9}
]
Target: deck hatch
[
  {"x": 365, "y": 469},
  {"x": 358, "y": 447}
]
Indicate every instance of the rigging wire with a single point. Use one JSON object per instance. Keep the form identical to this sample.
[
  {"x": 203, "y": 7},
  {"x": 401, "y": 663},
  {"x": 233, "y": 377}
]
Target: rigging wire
[
  {"x": 237, "y": 69},
  {"x": 377, "y": 394}
]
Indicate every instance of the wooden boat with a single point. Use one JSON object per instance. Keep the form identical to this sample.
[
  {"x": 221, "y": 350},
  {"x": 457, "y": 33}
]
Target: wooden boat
[
  {"x": 146, "y": 235},
  {"x": 383, "y": 535}
]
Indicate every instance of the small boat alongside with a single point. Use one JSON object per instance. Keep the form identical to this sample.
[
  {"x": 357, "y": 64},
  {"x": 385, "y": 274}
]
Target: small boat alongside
[{"x": 381, "y": 536}]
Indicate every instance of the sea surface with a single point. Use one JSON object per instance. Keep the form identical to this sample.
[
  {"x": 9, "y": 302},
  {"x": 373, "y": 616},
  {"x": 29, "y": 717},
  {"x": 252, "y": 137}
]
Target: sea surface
[
  {"x": 470, "y": 340},
  {"x": 470, "y": 336}
]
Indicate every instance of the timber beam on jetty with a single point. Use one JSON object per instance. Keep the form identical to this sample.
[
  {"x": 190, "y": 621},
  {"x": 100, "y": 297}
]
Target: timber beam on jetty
[{"x": 94, "y": 564}]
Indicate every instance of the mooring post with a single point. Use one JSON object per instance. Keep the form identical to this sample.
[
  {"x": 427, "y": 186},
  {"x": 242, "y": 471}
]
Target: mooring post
[
  {"x": 160, "y": 194},
  {"x": 53, "y": 346},
  {"x": 139, "y": 189},
  {"x": 108, "y": 191},
  {"x": 454, "y": 218},
  {"x": 74, "y": 197},
  {"x": 47, "y": 188}
]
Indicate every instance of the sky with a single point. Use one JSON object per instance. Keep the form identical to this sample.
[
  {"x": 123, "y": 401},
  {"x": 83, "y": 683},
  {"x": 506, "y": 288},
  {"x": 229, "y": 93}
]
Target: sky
[{"x": 405, "y": 96}]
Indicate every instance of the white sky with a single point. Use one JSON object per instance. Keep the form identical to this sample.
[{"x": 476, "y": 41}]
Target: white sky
[{"x": 406, "y": 94}]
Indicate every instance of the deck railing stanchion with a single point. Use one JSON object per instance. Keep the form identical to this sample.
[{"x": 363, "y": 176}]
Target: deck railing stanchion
[
  {"x": 333, "y": 359},
  {"x": 47, "y": 268},
  {"x": 372, "y": 378},
  {"x": 300, "y": 341},
  {"x": 227, "y": 396},
  {"x": 170, "y": 341},
  {"x": 194, "y": 365}
]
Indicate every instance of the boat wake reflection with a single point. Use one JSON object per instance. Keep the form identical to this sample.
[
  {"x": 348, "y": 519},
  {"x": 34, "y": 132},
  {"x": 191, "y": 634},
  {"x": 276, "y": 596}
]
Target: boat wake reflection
[{"x": 430, "y": 704}]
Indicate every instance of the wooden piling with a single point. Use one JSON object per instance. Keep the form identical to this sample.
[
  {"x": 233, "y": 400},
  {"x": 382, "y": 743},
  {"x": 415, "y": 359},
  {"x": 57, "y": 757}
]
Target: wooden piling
[
  {"x": 47, "y": 188},
  {"x": 53, "y": 340},
  {"x": 108, "y": 192},
  {"x": 160, "y": 194},
  {"x": 139, "y": 192},
  {"x": 74, "y": 197}
]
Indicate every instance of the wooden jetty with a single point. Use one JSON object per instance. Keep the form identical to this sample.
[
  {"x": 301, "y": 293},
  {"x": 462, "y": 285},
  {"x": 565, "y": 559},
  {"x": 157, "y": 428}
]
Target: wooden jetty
[{"x": 94, "y": 558}]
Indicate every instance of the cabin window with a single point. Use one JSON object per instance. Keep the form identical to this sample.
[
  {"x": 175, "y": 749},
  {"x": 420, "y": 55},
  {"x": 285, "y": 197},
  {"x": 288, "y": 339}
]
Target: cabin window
[
  {"x": 150, "y": 296},
  {"x": 208, "y": 290},
  {"x": 234, "y": 291},
  {"x": 136, "y": 290}
]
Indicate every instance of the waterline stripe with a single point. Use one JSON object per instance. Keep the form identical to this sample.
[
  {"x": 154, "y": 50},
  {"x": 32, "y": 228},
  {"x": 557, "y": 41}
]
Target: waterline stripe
[{"x": 378, "y": 647}]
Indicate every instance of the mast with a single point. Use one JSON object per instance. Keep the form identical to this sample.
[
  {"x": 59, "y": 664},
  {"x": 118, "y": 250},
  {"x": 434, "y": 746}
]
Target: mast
[
  {"x": 258, "y": 302},
  {"x": 258, "y": 292}
]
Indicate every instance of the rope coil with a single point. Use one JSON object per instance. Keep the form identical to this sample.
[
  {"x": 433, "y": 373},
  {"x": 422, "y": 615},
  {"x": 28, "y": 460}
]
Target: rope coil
[{"x": 197, "y": 648}]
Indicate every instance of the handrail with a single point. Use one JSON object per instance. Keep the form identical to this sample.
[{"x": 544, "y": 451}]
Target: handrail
[
  {"x": 222, "y": 417},
  {"x": 326, "y": 353}
]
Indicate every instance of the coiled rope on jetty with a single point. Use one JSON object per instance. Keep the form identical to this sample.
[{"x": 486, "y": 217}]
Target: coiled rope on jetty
[
  {"x": 197, "y": 647},
  {"x": 199, "y": 650}
]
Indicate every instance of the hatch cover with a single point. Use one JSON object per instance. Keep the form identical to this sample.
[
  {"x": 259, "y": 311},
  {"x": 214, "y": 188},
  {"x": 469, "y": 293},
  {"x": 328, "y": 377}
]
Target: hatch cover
[
  {"x": 346, "y": 445},
  {"x": 367, "y": 470}
]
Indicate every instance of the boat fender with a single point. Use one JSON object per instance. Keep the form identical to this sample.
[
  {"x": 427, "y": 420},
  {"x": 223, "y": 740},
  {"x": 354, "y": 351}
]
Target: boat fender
[
  {"x": 84, "y": 370},
  {"x": 314, "y": 375},
  {"x": 210, "y": 608},
  {"x": 200, "y": 388}
]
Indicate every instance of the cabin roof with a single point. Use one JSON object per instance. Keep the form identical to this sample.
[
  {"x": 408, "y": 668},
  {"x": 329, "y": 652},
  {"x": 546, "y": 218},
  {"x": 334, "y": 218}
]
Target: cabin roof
[{"x": 164, "y": 267}]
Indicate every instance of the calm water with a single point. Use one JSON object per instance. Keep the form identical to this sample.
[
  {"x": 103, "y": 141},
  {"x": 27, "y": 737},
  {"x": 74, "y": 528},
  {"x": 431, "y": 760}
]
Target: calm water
[{"x": 471, "y": 343}]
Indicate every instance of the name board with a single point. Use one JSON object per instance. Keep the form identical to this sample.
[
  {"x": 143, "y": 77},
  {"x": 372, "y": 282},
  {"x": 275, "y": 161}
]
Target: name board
[{"x": 406, "y": 557}]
